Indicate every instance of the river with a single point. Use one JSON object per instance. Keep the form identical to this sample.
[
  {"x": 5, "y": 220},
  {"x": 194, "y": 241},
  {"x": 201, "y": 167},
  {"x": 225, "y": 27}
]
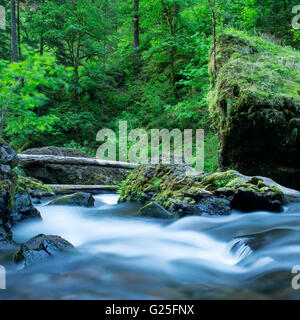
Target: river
[{"x": 122, "y": 256}]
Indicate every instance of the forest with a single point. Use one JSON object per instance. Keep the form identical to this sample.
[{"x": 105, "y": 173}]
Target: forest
[
  {"x": 72, "y": 67},
  {"x": 75, "y": 226}
]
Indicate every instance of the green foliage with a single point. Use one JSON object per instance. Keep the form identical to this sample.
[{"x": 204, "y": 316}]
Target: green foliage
[
  {"x": 81, "y": 74},
  {"x": 23, "y": 94},
  {"x": 85, "y": 147}
]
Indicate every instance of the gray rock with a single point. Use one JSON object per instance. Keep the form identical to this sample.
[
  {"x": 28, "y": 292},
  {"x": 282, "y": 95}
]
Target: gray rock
[
  {"x": 6, "y": 241},
  {"x": 214, "y": 206},
  {"x": 23, "y": 209},
  {"x": 209, "y": 206},
  {"x": 41, "y": 248},
  {"x": 81, "y": 199},
  {"x": 8, "y": 156},
  {"x": 154, "y": 210}
]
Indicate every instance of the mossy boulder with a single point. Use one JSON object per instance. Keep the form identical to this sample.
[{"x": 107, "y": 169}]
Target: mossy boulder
[
  {"x": 256, "y": 106},
  {"x": 80, "y": 199},
  {"x": 72, "y": 174},
  {"x": 184, "y": 194}
]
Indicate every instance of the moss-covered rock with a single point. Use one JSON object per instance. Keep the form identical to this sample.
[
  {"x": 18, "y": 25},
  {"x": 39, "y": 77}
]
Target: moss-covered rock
[
  {"x": 33, "y": 186},
  {"x": 81, "y": 199},
  {"x": 203, "y": 194},
  {"x": 256, "y": 106}
]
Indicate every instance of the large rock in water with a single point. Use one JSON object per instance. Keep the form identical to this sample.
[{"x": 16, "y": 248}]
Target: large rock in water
[
  {"x": 256, "y": 106},
  {"x": 41, "y": 248},
  {"x": 70, "y": 174},
  {"x": 80, "y": 199},
  {"x": 182, "y": 194}
]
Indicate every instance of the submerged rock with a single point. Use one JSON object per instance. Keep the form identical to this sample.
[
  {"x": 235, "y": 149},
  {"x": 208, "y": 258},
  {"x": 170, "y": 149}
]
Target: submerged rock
[
  {"x": 181, "y": 193},
  {"x": 154, "y": 210},
  {"x": 72, "y": 174},
  {"x": 256, "y": 106},
  {"x": 81, "y": 199},
  {"x": 40, "y": 248}
]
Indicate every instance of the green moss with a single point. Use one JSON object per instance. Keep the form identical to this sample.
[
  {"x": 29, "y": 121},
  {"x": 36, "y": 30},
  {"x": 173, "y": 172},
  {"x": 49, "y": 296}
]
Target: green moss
[
  {"x": 31, "y": 184},
  {"x": 254, "y": 102},
  {"x": 217, "y": 180}
]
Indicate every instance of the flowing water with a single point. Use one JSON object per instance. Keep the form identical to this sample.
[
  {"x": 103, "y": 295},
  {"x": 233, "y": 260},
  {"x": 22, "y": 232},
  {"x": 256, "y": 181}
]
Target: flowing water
[{"x": 121, "y": 256}]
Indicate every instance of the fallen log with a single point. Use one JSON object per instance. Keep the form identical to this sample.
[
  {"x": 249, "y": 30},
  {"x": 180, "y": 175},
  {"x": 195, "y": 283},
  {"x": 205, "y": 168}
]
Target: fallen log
[
  {"x": 69, "y": 189},
  {"x": 50, "y": 159}
]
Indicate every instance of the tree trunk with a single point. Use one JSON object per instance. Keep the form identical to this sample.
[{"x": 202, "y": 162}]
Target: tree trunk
[
  {"x": 49, "y": 159},
  {"x": 14, "y": 45},
  {"x": 41, "y": 45},
  {"x": 136, "y": 32},
  {"x": 173, "y": 49},
  {"x": 70, "y": 189},
  {"x": 215, "y": 40},
  {"x": 19, "y": 28}
]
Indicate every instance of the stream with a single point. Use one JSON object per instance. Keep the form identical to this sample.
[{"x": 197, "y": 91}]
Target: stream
[{"x": 121, "y": 256}]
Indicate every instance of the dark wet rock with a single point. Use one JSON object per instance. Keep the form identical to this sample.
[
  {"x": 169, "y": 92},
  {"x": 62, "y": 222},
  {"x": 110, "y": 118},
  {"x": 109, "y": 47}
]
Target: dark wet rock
[
  {"x": 81, "y": 199},
  {"x": 40, "y": 248},
  {"x": 71, "y": 174},
  {"x": 214, "y": 206},
  {"x": 15, "y": 206},
  {"x": 6, "y": 241},
  {"x": 248, "y": 201},
  {"x": 154, "y": 210},
  {"x": 23, "y": 209},
  {"x": 207, "y": 206},
  {"x": 8, "y": 157}
]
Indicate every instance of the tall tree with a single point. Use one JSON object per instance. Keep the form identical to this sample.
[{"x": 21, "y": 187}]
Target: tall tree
[
  {"x": 170, "y": 11},
  {"x": 136, "y": 31},
  {"x": 14, "y": 45},
  {"x": 19, "y": 28},
  {"x": 211, "y": 5}
]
